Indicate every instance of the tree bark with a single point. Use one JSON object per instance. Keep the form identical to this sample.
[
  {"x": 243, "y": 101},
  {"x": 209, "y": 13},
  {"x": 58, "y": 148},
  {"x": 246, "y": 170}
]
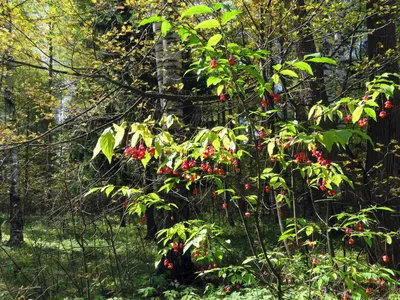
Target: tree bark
[
  {"x": 169, "y": 75},
  {"x": 381, "y": 46},
  {"x": 16, "y": 209}
]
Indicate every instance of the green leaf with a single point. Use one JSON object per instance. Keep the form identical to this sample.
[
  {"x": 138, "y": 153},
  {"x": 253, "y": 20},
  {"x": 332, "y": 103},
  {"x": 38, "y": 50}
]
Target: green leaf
[
  {"x": 146, "y": 159},
  {"x": 271, "y": 146},
  {"x": 220, "y": 88},
  {"x": 212, "y": 80},
  {"x": 275, "y": 78},
  {"x": 343, "y": 136},
  {"x": 196, "y": 10},
  {"x": 153, "y": 19},
  {"x": 135, "y": 138},
  {"x": 109, "y": 190},
  {"x": 357, "y": 114},
  {"x": 289, "y": 73},
  {"x": 349, "y": 283},
  {"x": 389, "y": 239},
  {"x": 255, "y": 73},
  {"x": 214, "y": 40},
  {"x": 119, "y": 134},
  {"x": 309, "y": 230},
  {"x": 208, "y": 24},
  {"x": 92, "y": 190},
  {"x": 165, "y": 27},
  {"x": 277, "y": 67},
  {"x": 242, "y": 138},
  {"x": 329, "y": 138},
  {"x": 301, "y": 65},
  {"x": 107, "y": 142},
  {"x": 324, "y": 60},
  {"x": 229, "y": 15},
  {"x": 370, "y": 112},
  {"x": 96, "y": 149}
]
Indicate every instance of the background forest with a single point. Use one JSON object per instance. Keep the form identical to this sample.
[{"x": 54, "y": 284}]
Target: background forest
[{"x": 199, "y": 149}]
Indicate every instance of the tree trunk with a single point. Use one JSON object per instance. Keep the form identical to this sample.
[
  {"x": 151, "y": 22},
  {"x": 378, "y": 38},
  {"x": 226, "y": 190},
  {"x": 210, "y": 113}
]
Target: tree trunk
[
  {"x": 381, "y": 45},
  {"x": 169, "y": 76},
  {"x": 314, "y": 90},
  {"x": 16, "y": 210}
]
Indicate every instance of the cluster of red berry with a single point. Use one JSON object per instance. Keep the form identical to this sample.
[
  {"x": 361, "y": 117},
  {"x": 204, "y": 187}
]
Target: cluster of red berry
[
  {"x": 347, "y": 119},
  {"x": 176, "y": 247},
  {"x": 187, "y": 165},
  {"x": 320, "y": 159},
  {"x": 362, "y": 122},
  {"x": 208, "y": 152},
  {"x": 196, "y": 251},
  {"x": 301, "y": 157},
  {"x": 286, "y": 145},
  {"x": 139, "y": 152},
  {"x": 321, "y": 185},
  {"x": 168, "y": 264},
  {"x": 276, "y": 97}
]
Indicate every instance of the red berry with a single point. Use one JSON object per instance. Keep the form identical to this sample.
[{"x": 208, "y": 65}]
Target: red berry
[
  {"x": 247, "y": 214},
  {"x": 362, "y": 122},
  {"x": 237, "y": 170},
  {"x": 382, "y": 114},
  {"x": 314, "y": 261},
  {"x": 345, "y": 296},
  {"x": 261, "y": 134},
  {"x": 228, "y": 86},
  {"x": 347, "y": 119},
  {"x": 247, "y": 186},
  {"x": 276, "y": 97},
  {"x": 215, "y": 265},
  {"x": 213, "y": 63},
  {"x": 231, "y": 61},
  {"x": 368, "y": 291},
  {"x": 222, "y": 97},
  {"x": 166, "y": 262},
  {"x": 388, "y": 104},
  {"x": 347, "y": 230},
  {"x": 170, "y": 266},
  {"x": 359, "y": 226},
  {"x": 267, "y": 188},
  {"x": 351, "y": 241},
  {"x": 385, "y": 258},
  {"x": 228, "y": 288},
  {"x": 224, "y": 206},
  {"x": 264, "y": 102},
  {"x": 331, "y": 193},
  {"x": 311, "y": 244},
  {"x": 365, "y": 97}
]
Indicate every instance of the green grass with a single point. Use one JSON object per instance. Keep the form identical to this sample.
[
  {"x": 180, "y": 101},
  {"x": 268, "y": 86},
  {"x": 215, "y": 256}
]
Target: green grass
[{"x": 59, "y": 260}]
